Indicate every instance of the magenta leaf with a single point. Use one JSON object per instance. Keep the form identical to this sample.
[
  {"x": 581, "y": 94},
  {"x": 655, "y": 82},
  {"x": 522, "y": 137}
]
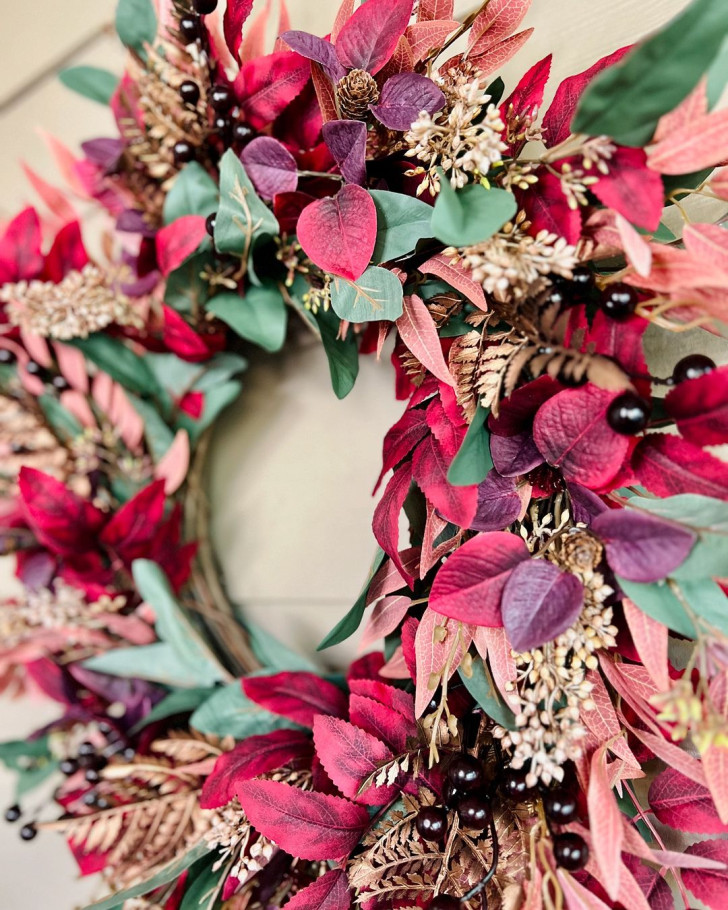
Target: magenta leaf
[
  {"x": 298, "y": 696},
  {"x": 270, "y": 166},
  {"x": 709, "y": 885},
  {"x": 339, "y": 233},
  {"x": 403, "y": 97},
  {"x": 631, "y": 188},
  {"x": 369, "y": 38},
  {"x": 667, "y": 465},
  {"x": 527, "y": 97},
  {"x": 498, "y": 503},
  {"x": 514, "y": 455},
  {"x": 236, "y": 12},
  {"x": 20, "y": 248},
  {"x": 306, "y": 824},
  {"x": 313, "y": 48},
  {"x": 330, "y": 892},
  {"x": 642, "y": 547},
  {"x": 178, "y": 240},
  {"x": 347, "y": 142},
  {"x": 349, "y": 756},
  {"x": 700, "y": 407},
  {"x": 269, "y": 84},
  {"x": 385, "y": 523},
  {"x": 401, "y": 439},
  {"x": 683, "y": 804},
  {"x": 383, "y": 721},
  {"x": 430, "y": 465},
  {"x": 470, "y": 584},
  {"x": 539, "y": 603},
  {"x": 549, "y": 209}
]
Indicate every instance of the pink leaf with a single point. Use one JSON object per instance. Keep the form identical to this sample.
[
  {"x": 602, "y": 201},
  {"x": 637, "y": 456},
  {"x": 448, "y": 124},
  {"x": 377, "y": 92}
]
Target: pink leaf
[
  {"x": 369, "y": 38},
  {"x": 715, "y": 765},
  {"x": 642, "y": 547},
  {"x": 306, "y": 824},
  {"x": 178, "y": 240},
  {"x": 269, "y": 84},
  {"x": 299, "y": 696},
  {"x": 493, "y": 645},
  {"x": 605, "y": 822},
  {"x": 691, "y": 109},
  {"x": 382, "y": 721},
  {"x": 350, "y": 755},
  {"x": 347, "y": 142},
  {"x": 72, "y": 365},
  {"x": 20, "y": 254},
  {"x": 403, "y": 97},
  {"x": 386, "y": 616},
  {"x": 427, "y": 10},
  {"x": 700, "y": 407},
  {"x": 708, "y": 885},
  {"x": 668, "y": 465},
  {"x": 428, "y": 35},
  {"x": 602, "y": 721},
  {"x": 650, "y": 640},
  {"x": 631, "y": 188},
  {"x": 638, "y": 250},
  {"x": 498, "y": 20},
  {"x": 577, "y": 896},
  {"x": 338, "y": 233},
  {"x": 386, "y": 517},
  {"x": 470, "y": 584},
  {"x": 684, "y": 805},
  {"x": 173, "y": 466},
  {"x": 572, "y": 433},
  {"x": 430, "y": 467},
  {"x": 697, "y": 145},
  {"x": 441, "y": 267},
  {"x": 417, "y": 330},
  {"x": 397, "y": 699},
  {"x": 493, "y": 56},
  {"x": 270, "y": 166},
  {"x": 236, "y": 12},
  {"x": 56, "y": 201},
  {"x": 330, "y": 892},
  {"x": 440, "y": 644}
]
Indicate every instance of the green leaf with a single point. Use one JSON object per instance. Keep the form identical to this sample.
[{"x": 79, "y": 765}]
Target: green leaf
[
  {"x": 157, "y": 663},
  {"x": 481, "y": 687},
  {"x": 342, "y": 354},
  {"x": 707, "y": 559},
  {"x": 376, "y": 295},
  {"x": 259, "y": 316},
  {"x": 158, "y": 435},
  {"x": 658, "y": 600},
  {"x": 181, "y": 701},
  {"x": 186, "y": 291},
  {"x": 91, "y": 82},
  {"x": 229, "y": 712},
  {"x": 193, "y": 192},
  {"x": 718, "y": 75},
  {"x": 272, "y": 654},
  {"x": 136, "y": 23},
  {"x": 119, "y": 361},
  {"x": 470, "y": 215},
  {"x": 62, "y": 422},
  {"x": 691, "y": 181},
  {"x": 204, "y": 884},
  {"x": 626, "y": 101},
  {"x": 401, "y": 222},
  {"x": 701, "y": 513},
  {"x": 242, "y": 215},
  {"x": 348, "y": 624},
  {"x": 15, "y": 753},
  {"x": 216, "y": 400},
  {"x": 473, "y": 460}
]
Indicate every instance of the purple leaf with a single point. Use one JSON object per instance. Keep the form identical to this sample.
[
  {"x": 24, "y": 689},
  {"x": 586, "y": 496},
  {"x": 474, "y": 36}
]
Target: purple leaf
[
  {"x": 347, "y": 142},
  {"x": 270, "y": 166},
  {"x": 539, "y": 603},
  {"x": 403, "y": 97},
  {"x": 585, "y": 505},
  {"x": 514, "y": 455},
  {"x": 104, "y": 152},
  {"x": 642, "y": 547},
  {"x": 498, "y": 503},
  {"x": 313, "y": 48},
  {"x": 369, "y": 38}
]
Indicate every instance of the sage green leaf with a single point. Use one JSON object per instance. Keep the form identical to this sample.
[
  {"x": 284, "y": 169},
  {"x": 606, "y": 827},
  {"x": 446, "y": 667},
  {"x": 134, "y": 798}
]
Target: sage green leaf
[
  {"x": 273, "y": 655},
  {"x": 663, "y": 602},
  {"x": 242, "y": 216},
  {"x": 62, "y": 422},
  {"x": 342, "y": 353},
  {"x": 700, "y": 513},
  {"x": 204, "y": 884},
  {"x": 481, "y": 687},
  {"x": 376, "y": 295},
  {"x": 119, "y": 361},
  {"x": 229, "y": 712},
  {"x": 259, "y": 316},
  {"x": 708, "y": 559},
  {"x": 158, "y": 662},
  {"x": 473, "y": 461},
  {"x": 181, "y": 701},
  {"x": 401, "y": 222},
  {"x": 91, "y": 82},
  {"x": 193, "y": 192},
  {"x": 348, "y": 624},
  {"x": 136, "y": 23},
  {"x": 470, "y": 215},
  {"x": 186, "y": 291},
  {"x": 718, "y": 75},
  {"x": 626, "y": 101},
  {"x": 158, "y": 435}
]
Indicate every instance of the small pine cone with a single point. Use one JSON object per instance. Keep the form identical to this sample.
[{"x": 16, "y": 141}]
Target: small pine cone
[
  {"x": 582, "y": 551},
  {"x": 354, "y": 93}
]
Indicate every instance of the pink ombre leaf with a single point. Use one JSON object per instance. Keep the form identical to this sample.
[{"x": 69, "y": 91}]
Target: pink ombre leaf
[
  {"x": 695, "y": 146},
  {"x": 605, "y": 822},
  {"x": 428, "y": 35},
  {"x": 338, "y": 233},
  {"x": 440, "y": 644},
  {"x": 386, "y": 616},
  {"x": 650, "y": 639},
  {"x": 490, "y": 57},
  {"x": 499, "y": 19},
  {"x": 329, "y": 892},
  {"x": 441, "y": 267},
  {"x": 178, "y": 240},
  {"x": 708, "y": 885},
  {"x": 684, "y": 805},
  {"x": 668, "y": 465},
  {"x": 173, "y": 466},
  {"x": 417, "y": 330}
]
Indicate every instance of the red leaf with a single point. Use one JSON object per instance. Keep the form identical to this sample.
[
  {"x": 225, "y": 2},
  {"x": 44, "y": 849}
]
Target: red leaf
[
  {"x": 66, "y": 254},
  {"x": 549, "y": 210},
  {"x": 700, "y": 407},
  {"x": 402, "y": 438},
  {"x": 620, "y": 340},
  {"x": 179, "y": 336},
  {"x": 440, "y": 644},
  {"x": 306, "y": 824},
  {"x": 572, "y": 433},
  {"x": 397, "y": 699},
  {"x": 386, "y": 517},
  {"x": 369, "y": 38},
  {"x": 270, "y": 166},
  {"x": 631, "y": 188},
  {"x": 428, "y": 35},
  {"x": 684, "y": 805},
  {"x": 527, "y": 97},
  {"x": 236, "y": 12},
  {"x": 383, "y": 721},
  {"x": 330, "y": 892},
  {"x": 20, "y": 253},
  {"x": 287, "y": 208},
  {"x": 650, "y": 640},
  {"x": 695, "y": 146},
  {"x": 470, "y": 584},
  {"x": 494, "y": 56},
  {"x": 268, "y": 84},
  {"x": 709, "y": 885},
  {"x": 605, "y": 821},
  {"x": 667, "y": 465},
  {"x": 498, "y": 20},
  {"x": 557, "y": 120},
  {"x": 349, "y": 756},
  {"x": 430, "y": 466},
  {"x": 418, "y": 332},
  {"x": 178, "y": 240},
  {"x": 297, "y": 696},
  {"x": 253, "y": 756},
  {"x": 133, "y": 528},
  {"x": 339, "y": 233}
]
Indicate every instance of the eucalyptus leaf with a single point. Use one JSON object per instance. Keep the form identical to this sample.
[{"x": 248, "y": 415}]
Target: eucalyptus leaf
[
  {"x": 158, "y": 662},
  {"x": 470, "y": 215},
  {"x": 216, "y": 400},
  {"x": 193, "y": 192},
  {"x": 186, "y": 291},
  {"x": 708, "y": 559},
  {"x": 119, "y": 361},
  {"x": 700, "y": 513},
  {"x": 473, "y": 460},
  {"x": 272, "y": 654},
  {"x": 62, "y": 422},
  {"x": 242, "y": 216},
  {"x": 401, "y": 222},
  {"x": 229, "y": 712},
  {"x": 181, "y": 701},
  {"x": 375, "y": 295},
  {"x": 718, "y": 75},
  {"x": 349, "y": 623},
  {"x": 342, "y": 353},
  {"x": 158, "y": 435},
  {"x": 91, "y": 82},
  {"x": 660, "y": 601},
  {"x": 136, "y": 23},
  {"x": 204, "y": 884},
  {"x": 259, "y": 316},
  {"x": 481, "y": 687}
]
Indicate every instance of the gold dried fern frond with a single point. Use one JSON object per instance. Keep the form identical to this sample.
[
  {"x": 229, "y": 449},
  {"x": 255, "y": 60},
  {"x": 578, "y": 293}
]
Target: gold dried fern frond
[{"x": 464, "y": 358}]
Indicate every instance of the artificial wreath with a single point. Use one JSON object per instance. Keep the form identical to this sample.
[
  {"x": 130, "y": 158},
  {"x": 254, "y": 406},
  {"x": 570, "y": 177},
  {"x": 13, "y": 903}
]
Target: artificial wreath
[{"x": 545, "y": 714}]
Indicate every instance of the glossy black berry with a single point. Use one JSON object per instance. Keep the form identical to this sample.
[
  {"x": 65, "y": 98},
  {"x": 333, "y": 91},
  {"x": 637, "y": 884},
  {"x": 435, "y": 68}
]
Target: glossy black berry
[
  {"x": 102, "y": 803},
  {"x": 221, "y": 97},
  {"x": 560, "y": 806},
  {"x": 475, "y": 811},
  {"x": 13, "y": 813},
  {"x": 86, "y": 748},
  {"x": 33, "y": 368},
  {"x": 190, "y": 92},
  {"x": 60, "y": 383},
  {"x": 7, "y": 356},
  {"x": 68, "y": 766},
  {"x": 204, "y": 7},
  {"x": 628, "y": 414},
  {"x": 92, "y": 775},
  {"x": 515, "y": 786},
  {"x": 190, "y": 28},
  {"x": 465, "y": 772},
  {"x": 619, "y": 301},
  {"x": 28, "y": 832},
  {"x": 692, "y": 367},
  {"x": 453, "y": 795},
  {"x": 90, "y": 798},
  {"x": 223, "y": 126},
  {"x": 431, "y": 823},
  {"x": 582, "y": 282},
  {"x": 570, "y": 851},
  {"x": 183, "y": 152},
  {"x": 242, "y": 134},
  {"x": 210, "y": 223},
  {"x": 444, "y": 902}
]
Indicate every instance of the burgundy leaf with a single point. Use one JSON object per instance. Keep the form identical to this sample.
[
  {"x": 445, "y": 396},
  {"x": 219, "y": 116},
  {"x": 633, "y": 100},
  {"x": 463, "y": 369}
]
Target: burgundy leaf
[
  {"x": 349, "y": 756},
  {"x": 683, "y": 804},
  {"x": 66, "y": 254},
  {"x": 330, "y": 892},
  {"x": 549, "y": 209},
  {"x": 178, "y": 240},
  {"x": 347, "y": 142},
  {"x": 267, "y": 85},
  {"x": 470, "y": 584},
  {"x": 253, "y": 756},
  {"x": 369, "y": 38},
  {"x": 305, "y": 824},
  {"x": 516, "y": 413},
  {"x": 382, "y": 721},
  {"x": 651, "y": 883},
  {"x": 700, "y": 407},
  {"x": 133, "y": 528},
  {"x": 499, "y": 503},
  {"x": 299, "y": 696},
  {"x": 317, "y": 49},
  {"x": 402, "y": 438},
  {"x": 430, "y": 466},
  {"x": 642, "y": 547},
  {"x": 403, "y": 97},
  {"x": 270, "y": 166},
  {"x": 709, "y": 885},
  {"x": 585, "y": 505},
  {"x": 527, "y": 97},
  {"x": 338, "y": 233},
  {"x": 514, "y": 455},
  {"x": 667, "y": 465},
  {"x": 539, "y": 603},
  {"x": 236, "y": 12},
  {"x": 631, "y": 188},
  {"x": 620, "y": 340},
  {"x": 386, "y": 517},
  {"x": 287, "y": 208}
]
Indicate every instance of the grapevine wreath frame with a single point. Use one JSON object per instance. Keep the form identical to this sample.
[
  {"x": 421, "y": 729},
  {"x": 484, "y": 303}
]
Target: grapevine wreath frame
[{"x": 555, "y": 628}]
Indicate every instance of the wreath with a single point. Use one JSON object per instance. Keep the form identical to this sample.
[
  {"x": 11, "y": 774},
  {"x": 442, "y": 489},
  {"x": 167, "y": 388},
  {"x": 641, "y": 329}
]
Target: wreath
[{"x": 552, "y": 630}]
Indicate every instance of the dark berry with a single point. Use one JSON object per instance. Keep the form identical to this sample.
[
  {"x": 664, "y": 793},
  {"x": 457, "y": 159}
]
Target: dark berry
[
  {"x": 444, "y": 902},
  {"x": 465, "y": 772},
  {"x": 189, "y": 27},
  {"x": 105, "y": 728},
  {"x": 28, "y": 832},
  {"x": 183, "y": 152},
  {"x": 13, "y": 813},
  {"x": 431, "y": 823},
  {"x": 692, "y": 367},
  {"x": 619, "y": 301},
  {"x": 560, "y": 805},
  {"x": 242, "y": 133},
  {"x": 204, "y": 7},
  {"x": 92, "y": 775},
  {"x": 60, "y": 383},
  {"x": 210, "y": 224},
  {"x": 453, "y": 795},
  {"x": 582, "y": 281},
  {"x": 7, "y": 356},
  {"x": 475, "y": 812},
  {"x": 68, "y": 766},
  {"x": 89, "y": 799},
  {"x": 515, "y": 786},
  {"x": 190, "y": 92},
  {"x": 86, "y": 748},
  {"x": 570, "y": 851},
  {"x": 558, "y": 294},
  {"x": 102, "y": 803},
  {"x": 223, "y": 127},
  {"x": 628, "y": 414},
  {"x": 221, "y": 98},
  {"x": 34, "y": 368}
]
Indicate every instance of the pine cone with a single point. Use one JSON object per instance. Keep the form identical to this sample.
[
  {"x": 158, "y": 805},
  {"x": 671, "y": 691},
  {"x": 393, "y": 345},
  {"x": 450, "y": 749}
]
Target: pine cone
[
  {"x": 354, "y": 93},
  {"x": 582, "y": 551}
]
